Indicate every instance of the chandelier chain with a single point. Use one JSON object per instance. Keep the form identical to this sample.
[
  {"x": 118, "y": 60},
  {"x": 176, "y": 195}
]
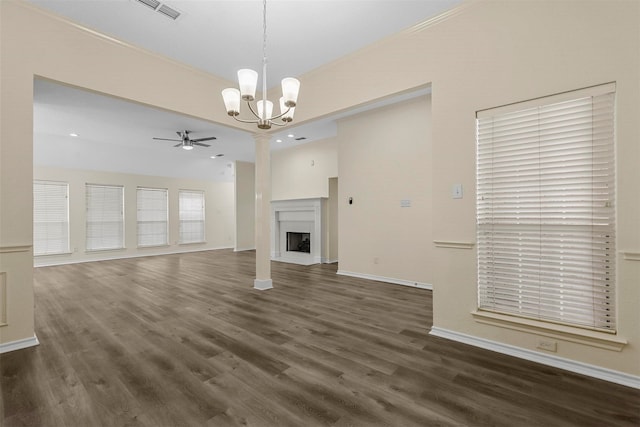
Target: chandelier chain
[
  {"x": 264, "y": 29},
  {"x": 264, "y": 59}
]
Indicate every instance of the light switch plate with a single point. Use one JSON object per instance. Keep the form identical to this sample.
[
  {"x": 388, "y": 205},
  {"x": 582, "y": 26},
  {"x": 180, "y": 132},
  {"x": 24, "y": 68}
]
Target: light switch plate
[
  {"x": 456, "y": 191},
  {"x": 405, "y": 203}
]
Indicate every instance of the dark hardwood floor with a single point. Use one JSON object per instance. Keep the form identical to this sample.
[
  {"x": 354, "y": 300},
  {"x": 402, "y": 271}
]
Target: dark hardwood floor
[{"x": 184, "y": 340}]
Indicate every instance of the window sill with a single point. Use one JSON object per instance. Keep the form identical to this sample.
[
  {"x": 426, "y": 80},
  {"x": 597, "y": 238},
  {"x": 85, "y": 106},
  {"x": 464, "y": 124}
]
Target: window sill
[
  {"x": 561, "y": 332},
  {"x": 92, "y": 251},
  {"x": 53, "y": 254}
]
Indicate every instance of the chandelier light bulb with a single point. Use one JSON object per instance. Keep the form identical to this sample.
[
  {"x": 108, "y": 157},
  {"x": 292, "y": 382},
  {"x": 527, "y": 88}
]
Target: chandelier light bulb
[
  {"x": 290, "y": 89},
  {"x": 248, "y": 81},
  {"x": 231, "y": 97},
  {"x": 286, "y": 112},
  {"x": 265, "y": 111}
]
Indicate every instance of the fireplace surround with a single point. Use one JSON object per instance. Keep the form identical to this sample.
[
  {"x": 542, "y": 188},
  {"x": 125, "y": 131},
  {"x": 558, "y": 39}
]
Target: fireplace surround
[{"x": 298, "y": 229}]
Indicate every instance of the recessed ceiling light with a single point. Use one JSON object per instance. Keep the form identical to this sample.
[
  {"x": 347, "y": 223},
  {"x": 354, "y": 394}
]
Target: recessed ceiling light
[
  {"x": 73, "y": 134},
  {"x": 278, "y": 140},
  {"x": 291, "y": 135}
]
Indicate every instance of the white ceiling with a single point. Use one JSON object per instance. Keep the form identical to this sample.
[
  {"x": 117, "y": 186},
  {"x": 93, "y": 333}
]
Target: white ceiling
[{"x": 216, "y": 36}]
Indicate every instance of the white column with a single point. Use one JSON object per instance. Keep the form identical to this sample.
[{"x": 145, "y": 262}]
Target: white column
[{"x": 263, "y": 213}]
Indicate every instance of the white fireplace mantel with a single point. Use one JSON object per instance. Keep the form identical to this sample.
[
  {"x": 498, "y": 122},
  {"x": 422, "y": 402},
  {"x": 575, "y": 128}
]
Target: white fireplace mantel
[{"x": 300, "y": 216}]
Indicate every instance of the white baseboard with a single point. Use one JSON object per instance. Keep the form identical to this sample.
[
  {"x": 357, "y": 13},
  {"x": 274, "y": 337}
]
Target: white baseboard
[
  {"x": 387, "y": 280},
  {"x": 19, "y": 344},
  {"x": 545, "y": 359},
  {"x": 244, "y": 249},
  {"x": 329, "y": 261},
  {"x": 295, "y": 260},
  {"x": 49, "y": 263},
  {"x": 262, "y": 284}
]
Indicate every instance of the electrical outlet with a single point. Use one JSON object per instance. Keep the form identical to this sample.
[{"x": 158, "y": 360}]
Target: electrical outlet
[
  {"x": 548, "y": 345},
  {"x": 376, "y": 260}
]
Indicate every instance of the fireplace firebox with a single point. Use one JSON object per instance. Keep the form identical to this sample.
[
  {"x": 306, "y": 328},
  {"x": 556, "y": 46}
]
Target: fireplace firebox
[{"x": 299, "y": 242}]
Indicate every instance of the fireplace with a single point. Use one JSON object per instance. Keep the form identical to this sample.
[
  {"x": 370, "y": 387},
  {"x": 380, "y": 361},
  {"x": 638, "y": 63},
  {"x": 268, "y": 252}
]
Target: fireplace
[
  {"x": 298, "y": 242},
  {"x": 298, "y": 230}
]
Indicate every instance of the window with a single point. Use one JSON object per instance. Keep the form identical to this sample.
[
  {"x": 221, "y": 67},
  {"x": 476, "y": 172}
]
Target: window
[
  {"x": 153, "y": 217},
  {"x": 50, "y": 218},
  {"x": 105, "y": 217},
  {"x": 191, "y": 216},
  {"x": 545, "y": 209}
]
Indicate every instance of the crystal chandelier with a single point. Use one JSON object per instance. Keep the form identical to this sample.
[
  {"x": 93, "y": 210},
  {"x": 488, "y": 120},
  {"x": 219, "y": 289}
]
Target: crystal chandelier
[{"x": 248, "y": 80}]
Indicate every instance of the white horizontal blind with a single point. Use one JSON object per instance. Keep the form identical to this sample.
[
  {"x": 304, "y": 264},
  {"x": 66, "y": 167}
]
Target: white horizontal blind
[
  {"x": 105, "y": 217},
  {"x": 545, "y": 211},
  {"x": 153, "y": 217},
  {"x": 50, "y": 218},
  {"x": 191, "y": 207}
]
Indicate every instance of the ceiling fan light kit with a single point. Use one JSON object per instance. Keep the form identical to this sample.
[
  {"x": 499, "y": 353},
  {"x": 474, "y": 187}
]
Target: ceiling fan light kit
[
  {"x": 186, "y": 142},
  {"x": 248, "y": 82}
]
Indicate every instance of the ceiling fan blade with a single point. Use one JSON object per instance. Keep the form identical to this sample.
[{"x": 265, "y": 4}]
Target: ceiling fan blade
[
  {"x": 199, "y": 143},
  {"x": 165, "y": 139},
  {"x": 180, "y": 133},
  {"x": 178, "y": 145},
  {"x": 211, "y": 138}
]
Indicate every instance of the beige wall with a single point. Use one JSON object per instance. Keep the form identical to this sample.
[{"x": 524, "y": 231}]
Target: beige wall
[
  {"x": 385, "y": 157},
  {"x": 303, "y": 172},
  {"x": 245, "y": 202},
  {"x": 514, "y": 51},
  {"x": 36, "y": 44},
  {"x": 484, "y": 54},
  {"x": 219, "y": 221},
  {"x": 492, "y": 53}
]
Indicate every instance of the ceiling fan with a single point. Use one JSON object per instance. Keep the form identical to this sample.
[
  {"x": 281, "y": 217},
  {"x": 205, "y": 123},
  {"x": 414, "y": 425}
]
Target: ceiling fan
[{"x": 186, "y": 142}]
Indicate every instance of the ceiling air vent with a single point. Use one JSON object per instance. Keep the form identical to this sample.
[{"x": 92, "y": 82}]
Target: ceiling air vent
[
  {"x": 153, "y": 4},
  {"x": 301, "y": 138},
  {"x": 167, "y": 11}
]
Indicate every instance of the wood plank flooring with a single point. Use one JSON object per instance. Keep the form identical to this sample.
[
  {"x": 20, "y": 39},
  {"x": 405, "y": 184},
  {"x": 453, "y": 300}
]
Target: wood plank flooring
[{"x": 184, "y": 340}]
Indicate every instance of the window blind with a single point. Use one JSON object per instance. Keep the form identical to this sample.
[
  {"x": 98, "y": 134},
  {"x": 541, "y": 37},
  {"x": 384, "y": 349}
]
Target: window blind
[
  {"x": 191, "y": 208},
  {"x": 546, "y": 209},
  {"x": 50, "y": 218},
  {"x": 153, "y": 217},
  {"x": 105, "y": 217}
]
